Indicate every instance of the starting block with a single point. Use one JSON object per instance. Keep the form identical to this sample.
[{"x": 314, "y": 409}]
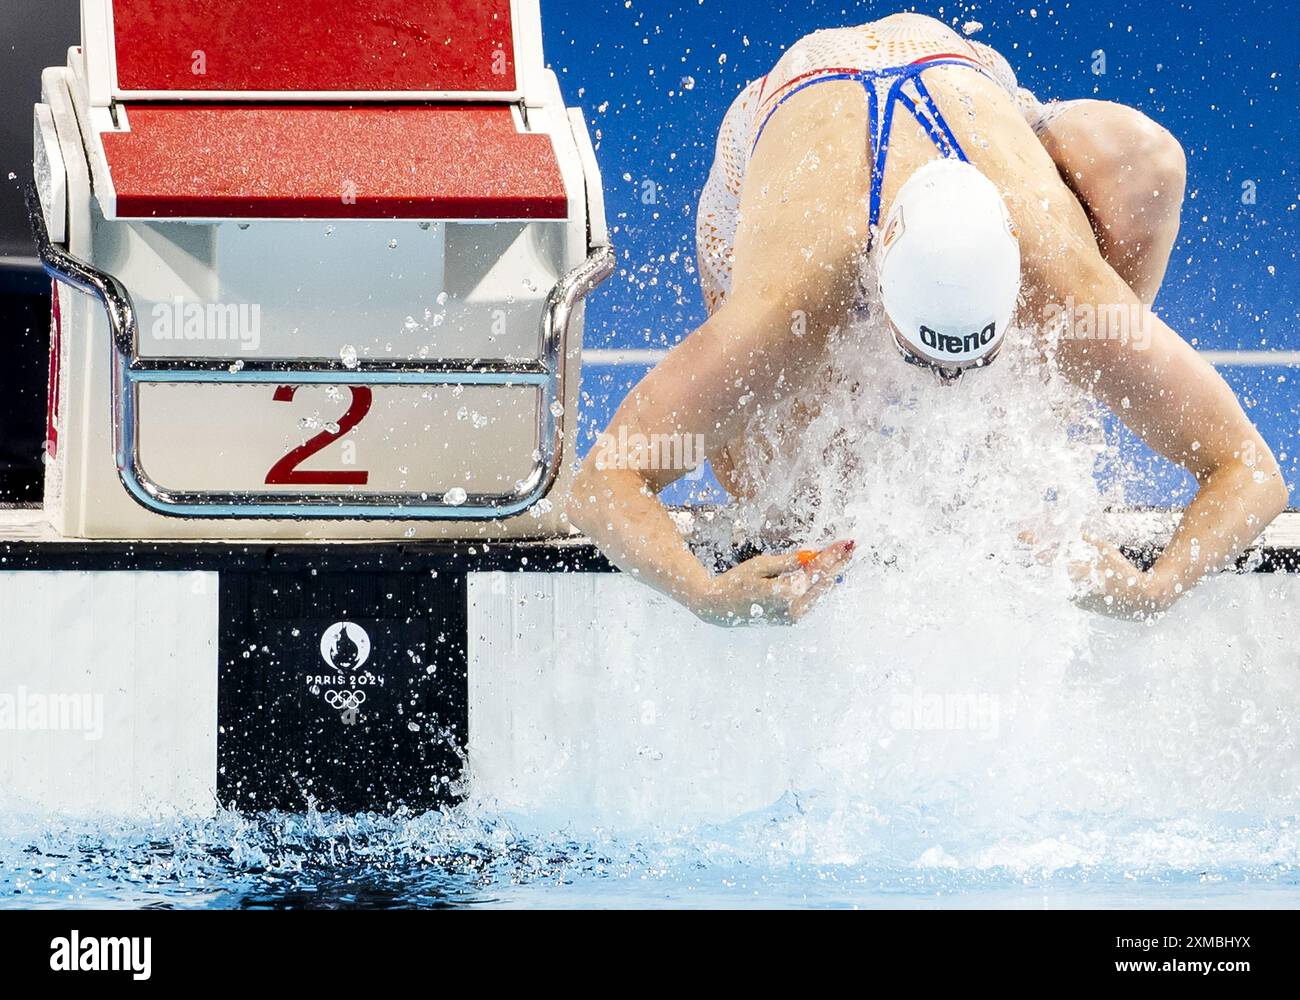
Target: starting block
[{"x": 319, "y": 270}]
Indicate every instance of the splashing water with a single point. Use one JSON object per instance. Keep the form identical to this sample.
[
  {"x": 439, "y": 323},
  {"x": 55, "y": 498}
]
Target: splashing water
[{"x": 948, "y": 708}]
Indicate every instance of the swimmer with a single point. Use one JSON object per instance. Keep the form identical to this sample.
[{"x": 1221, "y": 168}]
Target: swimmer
[{"x": 900, "y": 160}]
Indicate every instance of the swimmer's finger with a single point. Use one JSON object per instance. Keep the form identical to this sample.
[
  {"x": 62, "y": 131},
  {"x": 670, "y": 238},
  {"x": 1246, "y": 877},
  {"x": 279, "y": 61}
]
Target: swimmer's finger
[
  {"x": 1080, "y": 571},
  {"x": 805, "y": 560},
  {"x": 833, "y": 558},
  {"x": 770, "y": 567},
  {"x": 771, "y": 604},
  {"x": 819, "y": 575},
  {"x": 820, "y": 584},
  {"x": 793, "y": 593},
  {"x": 802, "y": 605},
  {"x": 828, "y": 560}
]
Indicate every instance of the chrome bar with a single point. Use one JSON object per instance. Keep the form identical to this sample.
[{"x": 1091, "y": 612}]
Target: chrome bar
[
  {"x": 60, "y": 264},
  {"x": 336, "y": 369},
  {"x": 355, "y": 376},
  {"x": 131, "y": 371}
]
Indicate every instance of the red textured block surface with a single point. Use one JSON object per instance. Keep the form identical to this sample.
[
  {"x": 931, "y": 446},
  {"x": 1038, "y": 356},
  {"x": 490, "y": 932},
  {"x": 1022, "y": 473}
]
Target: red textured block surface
[
  {"x": 371, "y": 161},
  {"x": 314, "y": 45}
]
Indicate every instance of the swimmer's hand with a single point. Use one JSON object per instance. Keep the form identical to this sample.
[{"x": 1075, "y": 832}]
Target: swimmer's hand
[
  {"x": 1112, "y": 585},
  {"x": 772, "y": 590}
]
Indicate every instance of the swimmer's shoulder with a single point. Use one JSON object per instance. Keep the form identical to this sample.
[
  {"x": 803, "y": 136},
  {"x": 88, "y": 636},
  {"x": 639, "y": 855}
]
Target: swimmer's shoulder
[
  {"x": 827, "y": 48},
  {"x": 891, "y": 40}
]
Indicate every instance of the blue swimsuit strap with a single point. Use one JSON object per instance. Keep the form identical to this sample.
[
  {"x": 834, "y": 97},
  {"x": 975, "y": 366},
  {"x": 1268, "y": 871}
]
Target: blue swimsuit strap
[{"x": 925, "y": 111}]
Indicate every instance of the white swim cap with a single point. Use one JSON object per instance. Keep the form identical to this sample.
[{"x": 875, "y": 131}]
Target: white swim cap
[{"x": 949, "y": 267}]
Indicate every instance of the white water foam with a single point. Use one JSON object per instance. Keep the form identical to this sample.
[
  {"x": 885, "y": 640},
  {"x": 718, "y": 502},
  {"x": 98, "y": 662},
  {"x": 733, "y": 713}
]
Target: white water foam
[{"x": 948, "y": 706}]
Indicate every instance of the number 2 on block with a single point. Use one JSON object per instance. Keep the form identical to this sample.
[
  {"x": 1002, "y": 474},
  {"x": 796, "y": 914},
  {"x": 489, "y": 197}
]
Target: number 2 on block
[{"x": 286, "y": 472}]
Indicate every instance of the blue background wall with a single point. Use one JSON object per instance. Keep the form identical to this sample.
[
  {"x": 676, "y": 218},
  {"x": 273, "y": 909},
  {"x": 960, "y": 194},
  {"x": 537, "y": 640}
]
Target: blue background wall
[{"x": 1221, "y": 77}]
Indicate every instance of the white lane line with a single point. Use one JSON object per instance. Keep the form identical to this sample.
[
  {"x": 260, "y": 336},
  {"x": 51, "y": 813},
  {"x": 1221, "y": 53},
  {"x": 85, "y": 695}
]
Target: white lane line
[
  {"x": 644, "y": 356},
  {"x": 1251, "y": 359},
  {"x": 1223, "y": 359}
]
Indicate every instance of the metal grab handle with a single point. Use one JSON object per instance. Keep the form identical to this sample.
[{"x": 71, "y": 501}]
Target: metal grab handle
[{"x": 130, "y": 371}]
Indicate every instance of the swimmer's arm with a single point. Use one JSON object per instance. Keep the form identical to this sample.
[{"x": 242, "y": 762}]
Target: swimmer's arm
[
  {"x": 1176, "y": 402},
  {"x": 703, "y": 392},
  {"x": 797, "y": 258},
  {"x": 693, "y": 396}
]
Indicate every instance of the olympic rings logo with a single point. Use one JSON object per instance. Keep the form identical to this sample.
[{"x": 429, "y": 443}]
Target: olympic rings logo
[{"x": 345, "y": 701}]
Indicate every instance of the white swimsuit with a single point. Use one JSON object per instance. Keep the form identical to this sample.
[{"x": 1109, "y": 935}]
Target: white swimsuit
[{"x": 887, "y": 57}]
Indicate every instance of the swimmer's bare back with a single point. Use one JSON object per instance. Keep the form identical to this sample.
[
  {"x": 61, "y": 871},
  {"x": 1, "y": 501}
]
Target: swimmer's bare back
[{"x": 799, "y": 251}]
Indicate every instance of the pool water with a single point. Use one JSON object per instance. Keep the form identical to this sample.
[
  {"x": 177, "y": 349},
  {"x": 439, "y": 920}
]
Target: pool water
[{"x": 458, "y": 859}]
